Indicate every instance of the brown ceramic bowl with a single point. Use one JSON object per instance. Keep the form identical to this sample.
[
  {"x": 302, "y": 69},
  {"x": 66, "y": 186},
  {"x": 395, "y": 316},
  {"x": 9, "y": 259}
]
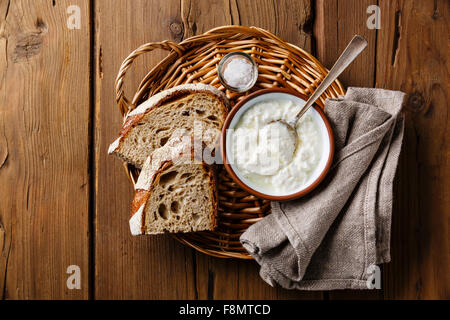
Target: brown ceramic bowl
[{"x": 324, "y": 128}]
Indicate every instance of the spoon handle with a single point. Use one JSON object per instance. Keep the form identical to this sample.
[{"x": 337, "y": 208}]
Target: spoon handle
[{"x": 354, "y": 48}]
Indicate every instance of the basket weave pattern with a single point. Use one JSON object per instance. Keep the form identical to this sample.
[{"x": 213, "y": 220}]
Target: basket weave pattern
[{"x": 195, "y": 60}]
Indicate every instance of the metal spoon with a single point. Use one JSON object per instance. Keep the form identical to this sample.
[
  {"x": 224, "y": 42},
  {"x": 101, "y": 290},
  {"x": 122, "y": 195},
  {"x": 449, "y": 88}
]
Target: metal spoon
[{"x": 354, "y": 48}]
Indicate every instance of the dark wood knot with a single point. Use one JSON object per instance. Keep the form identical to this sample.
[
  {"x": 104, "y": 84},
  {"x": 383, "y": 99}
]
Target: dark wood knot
[
  {"x": 415, "y": 101},
  {"x": 176, "y": 30}
]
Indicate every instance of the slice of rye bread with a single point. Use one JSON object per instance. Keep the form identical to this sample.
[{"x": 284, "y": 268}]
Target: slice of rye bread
[
  {"x": 195, "y": 107},
  {"x": 175, "y": 192}
]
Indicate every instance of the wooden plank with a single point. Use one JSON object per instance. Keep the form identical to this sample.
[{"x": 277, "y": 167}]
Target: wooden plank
[
  {"x": 413, "y": 57},
  {"x": 233, "y": 279},
  {"x": 130, "y": 267},
  {"x": 158, "y": 267},
  {"x": 251, "y": 286},
  {"x": 290, "y": 20},
  {"x": 337, "y": 21},
  {"x": 44, "y": 139}
]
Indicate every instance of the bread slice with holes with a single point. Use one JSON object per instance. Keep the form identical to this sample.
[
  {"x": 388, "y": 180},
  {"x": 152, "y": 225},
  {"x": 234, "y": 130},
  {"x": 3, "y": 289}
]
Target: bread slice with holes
[
  {"x": 175, "y": 192},
  {"x": 199, "y": 108}
]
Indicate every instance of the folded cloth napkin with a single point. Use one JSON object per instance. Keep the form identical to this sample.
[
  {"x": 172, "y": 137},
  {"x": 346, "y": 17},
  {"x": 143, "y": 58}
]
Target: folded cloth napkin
[{"x": 333, "y": 237}]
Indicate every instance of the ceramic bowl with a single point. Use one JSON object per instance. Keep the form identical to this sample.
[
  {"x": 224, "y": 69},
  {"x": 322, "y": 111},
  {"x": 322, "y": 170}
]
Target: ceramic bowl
[{"x": 275, "y": 94}]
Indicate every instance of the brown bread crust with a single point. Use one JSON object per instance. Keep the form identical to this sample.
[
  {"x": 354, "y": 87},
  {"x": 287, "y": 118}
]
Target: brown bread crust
[
  {"x": 141, "y": 196},
  {"x": 132, "y": 120}
]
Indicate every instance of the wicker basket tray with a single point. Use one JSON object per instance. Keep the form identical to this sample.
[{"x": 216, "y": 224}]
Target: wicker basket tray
[{"x": 194, "y": 60}]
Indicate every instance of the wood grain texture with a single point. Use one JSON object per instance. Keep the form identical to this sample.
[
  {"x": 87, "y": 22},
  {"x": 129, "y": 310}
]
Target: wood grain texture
[
  {"x": 231, "y": 279},
  {"x": 128, "y": 267},
  {"x": 158, "y": 267},
  {"x": 409, "y": 56},
  {"x": 413, "y": 57},
  {"x": 48, "y": 89},
  {"x": 44, "y": 145},
  {"x": 336, "y": 22},
  {"x": 289, "y": 19}
]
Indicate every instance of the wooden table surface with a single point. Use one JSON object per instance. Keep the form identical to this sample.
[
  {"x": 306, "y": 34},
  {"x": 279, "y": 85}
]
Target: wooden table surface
[{"x": 64, "y": 201}]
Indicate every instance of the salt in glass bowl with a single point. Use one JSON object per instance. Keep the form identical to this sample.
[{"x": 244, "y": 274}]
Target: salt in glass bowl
[{"x": 223, "y": 64}]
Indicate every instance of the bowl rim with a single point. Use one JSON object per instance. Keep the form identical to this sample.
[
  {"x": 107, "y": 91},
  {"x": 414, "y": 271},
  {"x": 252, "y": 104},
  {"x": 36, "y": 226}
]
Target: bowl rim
[{"x": 247, "y": 188}]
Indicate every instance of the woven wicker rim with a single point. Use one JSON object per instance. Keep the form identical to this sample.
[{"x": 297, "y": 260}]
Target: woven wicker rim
[{"x": 194, "y": 60}]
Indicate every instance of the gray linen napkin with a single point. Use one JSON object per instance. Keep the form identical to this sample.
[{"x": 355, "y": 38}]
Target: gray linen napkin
[{"x": 332, "y": 238}]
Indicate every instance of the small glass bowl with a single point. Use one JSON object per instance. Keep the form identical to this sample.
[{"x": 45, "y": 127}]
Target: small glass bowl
[{"x": 223, "y": 63}]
